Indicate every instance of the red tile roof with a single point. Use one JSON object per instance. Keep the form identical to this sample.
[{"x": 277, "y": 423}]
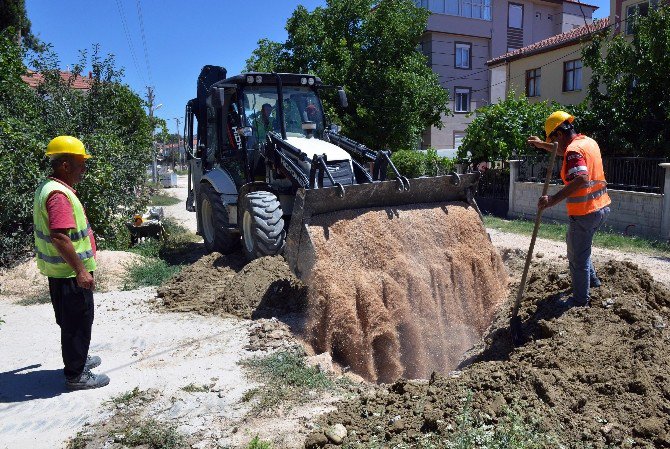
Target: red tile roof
[
  {"x": 34, "y": 79},
  {"x": 560, "y": 40}
]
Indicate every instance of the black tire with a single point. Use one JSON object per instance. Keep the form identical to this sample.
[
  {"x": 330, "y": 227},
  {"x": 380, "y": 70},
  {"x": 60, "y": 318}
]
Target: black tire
[
  {"x": 262, "y": 225},
  {"x": 214, "y": 220}
]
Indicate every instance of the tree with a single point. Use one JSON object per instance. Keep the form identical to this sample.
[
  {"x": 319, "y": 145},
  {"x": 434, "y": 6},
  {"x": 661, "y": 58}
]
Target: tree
[
  {"x": 629, "y": 95},
  {"x": 499, "y": 131},
  {"x": 13, "y": 15},
  {"x": 371, "y": 48}
]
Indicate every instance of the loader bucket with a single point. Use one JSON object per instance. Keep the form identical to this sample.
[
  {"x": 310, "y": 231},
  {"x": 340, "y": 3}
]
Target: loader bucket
[{"x": 300, "y": 251}]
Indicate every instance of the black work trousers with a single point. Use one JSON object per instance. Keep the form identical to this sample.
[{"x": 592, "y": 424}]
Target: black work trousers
[{"x": 74, "y": 310}]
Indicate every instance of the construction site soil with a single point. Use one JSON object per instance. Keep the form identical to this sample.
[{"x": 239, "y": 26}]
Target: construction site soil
[{"x": 587, "y": 377}]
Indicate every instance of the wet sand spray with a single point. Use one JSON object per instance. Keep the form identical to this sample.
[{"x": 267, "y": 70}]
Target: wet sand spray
[{"x": 402, "y": 291}]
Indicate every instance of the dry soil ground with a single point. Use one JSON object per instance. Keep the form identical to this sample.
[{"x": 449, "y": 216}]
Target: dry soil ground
[{"x": 597, "y": 375}]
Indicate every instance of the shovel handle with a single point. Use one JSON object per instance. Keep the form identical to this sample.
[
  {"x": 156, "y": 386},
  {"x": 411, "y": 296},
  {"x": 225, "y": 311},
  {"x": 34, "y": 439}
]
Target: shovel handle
[{"x": 538, "y": 219}]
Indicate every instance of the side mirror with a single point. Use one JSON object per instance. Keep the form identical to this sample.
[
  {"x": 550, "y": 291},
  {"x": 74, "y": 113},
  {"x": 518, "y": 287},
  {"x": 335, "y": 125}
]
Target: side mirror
[
  {"x": 343, "y": 97},
  {"x": 335, "y": 128}
]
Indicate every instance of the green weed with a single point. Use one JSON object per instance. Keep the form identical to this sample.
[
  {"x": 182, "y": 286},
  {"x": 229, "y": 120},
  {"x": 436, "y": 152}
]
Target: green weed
[
  {"x": 127, "y": 397},
  {"x": 78, "y": 442},
  {"x": 152, "y": 434},
  {"x": 148, "y": 271},
  {"x": 283, "y": 375},
  {"x": 257, "y": 443},
  {"x": 195, "y": 388}
]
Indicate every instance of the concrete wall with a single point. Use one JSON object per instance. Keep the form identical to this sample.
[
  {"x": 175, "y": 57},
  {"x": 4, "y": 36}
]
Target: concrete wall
[
  {"x": 633, "y": 213},
  {"x": 551, "y": 81}
]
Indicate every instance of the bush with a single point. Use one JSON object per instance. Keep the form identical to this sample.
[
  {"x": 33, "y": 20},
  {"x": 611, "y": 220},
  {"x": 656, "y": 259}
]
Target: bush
[
  {"x": 109, "y": 119},
  {"x": 414, "y": 164}
]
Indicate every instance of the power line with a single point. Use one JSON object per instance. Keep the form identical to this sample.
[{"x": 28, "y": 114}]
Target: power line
[
  {"x": 129, "y": 40},
  {"x": 144, "y": 39}
]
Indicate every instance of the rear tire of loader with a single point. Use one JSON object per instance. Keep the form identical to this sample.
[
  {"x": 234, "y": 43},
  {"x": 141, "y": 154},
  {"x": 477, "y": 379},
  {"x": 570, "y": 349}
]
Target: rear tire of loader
[
  {"x": 262, "y": 225},
  {"x": 215, "y": 226}
]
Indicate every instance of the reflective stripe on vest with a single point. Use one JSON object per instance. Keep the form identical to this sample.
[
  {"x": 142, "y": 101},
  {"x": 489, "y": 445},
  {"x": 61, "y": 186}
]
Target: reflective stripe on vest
[
  {"x": 593, "y": 195},
  {"x": 49, "y": 260}
]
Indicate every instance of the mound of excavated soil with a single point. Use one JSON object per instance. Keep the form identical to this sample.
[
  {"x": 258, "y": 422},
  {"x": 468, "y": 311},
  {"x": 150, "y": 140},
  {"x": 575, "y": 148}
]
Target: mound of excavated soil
[
  {"x": 224, "y": 284},
  {"x": 403, "y": 291},
  {"x": 595, "y": 377}
]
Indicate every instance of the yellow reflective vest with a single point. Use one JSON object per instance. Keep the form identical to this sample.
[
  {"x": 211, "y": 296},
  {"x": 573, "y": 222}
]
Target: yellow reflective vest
[{"x": 49, "y": 260}]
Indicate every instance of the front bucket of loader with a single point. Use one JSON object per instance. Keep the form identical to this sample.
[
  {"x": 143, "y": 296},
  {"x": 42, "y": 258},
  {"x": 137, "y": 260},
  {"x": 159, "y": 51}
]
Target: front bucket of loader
[{"x": 300, "y": 252}]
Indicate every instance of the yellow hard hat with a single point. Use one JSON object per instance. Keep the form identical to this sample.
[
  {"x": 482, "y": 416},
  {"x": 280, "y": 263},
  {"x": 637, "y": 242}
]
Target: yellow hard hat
[
  {"x": 66, "y": 145},
  {"x": 554, "y": 121}
]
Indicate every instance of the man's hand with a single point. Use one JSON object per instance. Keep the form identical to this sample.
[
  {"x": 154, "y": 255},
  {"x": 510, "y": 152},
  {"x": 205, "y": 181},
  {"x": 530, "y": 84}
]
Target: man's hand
[
  {"x": 534, "y": 141},
  {"x": 85, "y": 280},
  {"x": 545, "y": 202}
]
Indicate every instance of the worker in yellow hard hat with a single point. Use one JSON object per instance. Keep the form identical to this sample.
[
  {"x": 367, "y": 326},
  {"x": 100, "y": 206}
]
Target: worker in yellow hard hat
[
  {"x": 65, "y": 251},
  {"x": 585, "y": 192}
]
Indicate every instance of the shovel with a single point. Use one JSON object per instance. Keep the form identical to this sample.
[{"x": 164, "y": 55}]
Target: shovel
[{"x": 515, "y": 322}]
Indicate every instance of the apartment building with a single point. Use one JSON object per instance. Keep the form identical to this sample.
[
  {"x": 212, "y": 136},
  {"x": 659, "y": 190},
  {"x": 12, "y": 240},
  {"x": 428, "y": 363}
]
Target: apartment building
[{"x": 462, "y": 35}]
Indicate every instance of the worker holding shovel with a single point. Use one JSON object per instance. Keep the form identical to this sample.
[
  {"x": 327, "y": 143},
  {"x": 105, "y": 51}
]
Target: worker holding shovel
[{"x": 585, "y": 192}]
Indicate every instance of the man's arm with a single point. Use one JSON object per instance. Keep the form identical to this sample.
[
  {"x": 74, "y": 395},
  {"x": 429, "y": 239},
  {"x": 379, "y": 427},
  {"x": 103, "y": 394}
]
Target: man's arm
[
  {"x": 539, "y": 143},
  {"x": 63, "y": 244},
  {"x": 551, "y": 200}
]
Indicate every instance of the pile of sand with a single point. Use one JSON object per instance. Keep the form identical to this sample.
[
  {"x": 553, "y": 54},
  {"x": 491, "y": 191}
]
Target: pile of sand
[
  {"x": 401, "y": 292},
  {"x": 25, "y": 280},
  {"x": 595, "y": 377},
  {"x": 222, "y": 284}
]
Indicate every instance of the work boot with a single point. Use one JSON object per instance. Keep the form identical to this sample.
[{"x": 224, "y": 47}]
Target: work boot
[
  {"x": 87, "y": 381},
  {"x": 572, "y": 302},
  {"x": 92, "y": 361}
]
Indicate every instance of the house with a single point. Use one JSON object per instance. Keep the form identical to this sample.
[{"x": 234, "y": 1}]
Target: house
[
  {"x": 462, "y": 35},
  {"x": 34, "y": 79},
  {"x": 550, "y": 69}
]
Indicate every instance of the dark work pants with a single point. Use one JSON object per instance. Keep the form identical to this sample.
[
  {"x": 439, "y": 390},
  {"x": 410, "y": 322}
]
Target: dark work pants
[{"x": 73, "y": 307}]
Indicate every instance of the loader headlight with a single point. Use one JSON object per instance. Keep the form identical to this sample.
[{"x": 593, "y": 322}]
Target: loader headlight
[
  {"x": 310, "y": 81},
  {"x": 303, "y": 80},
  {"x": 250, "y": 79},
  {"x": 259, "y": 79}
]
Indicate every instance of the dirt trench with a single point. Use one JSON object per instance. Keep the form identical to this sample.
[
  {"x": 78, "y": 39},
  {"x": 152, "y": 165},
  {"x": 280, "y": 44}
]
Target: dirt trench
[{"x": 592, "y": 377}]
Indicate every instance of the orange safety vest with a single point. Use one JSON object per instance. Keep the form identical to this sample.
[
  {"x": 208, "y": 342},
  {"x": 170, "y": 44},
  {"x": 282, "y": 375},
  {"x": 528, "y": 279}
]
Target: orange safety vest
[{"x": 594, "y": 195}]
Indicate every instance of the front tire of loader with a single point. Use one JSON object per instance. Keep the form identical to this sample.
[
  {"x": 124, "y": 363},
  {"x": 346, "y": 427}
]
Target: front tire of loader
[
  {"x": 214, "y": 219},
  {"x": 262, "y": 226}
]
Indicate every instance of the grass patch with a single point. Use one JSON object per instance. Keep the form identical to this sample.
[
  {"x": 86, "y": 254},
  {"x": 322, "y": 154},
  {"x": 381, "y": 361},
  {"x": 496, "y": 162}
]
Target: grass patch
[
  {"x": 152, "y": 434},
  {"x": 78, "y": 442},
  {"x": 195, "y": 388},
  {"x": 163, "y": 199},
  {"x": 127, "y": 397},
  {"x": 608, "y": 238},
  {"x": 39, "y": 298},
  {"x": 284, "y": 376},
  {"x": 161, "y": 259},
  {"x": 257, "y": 443}
]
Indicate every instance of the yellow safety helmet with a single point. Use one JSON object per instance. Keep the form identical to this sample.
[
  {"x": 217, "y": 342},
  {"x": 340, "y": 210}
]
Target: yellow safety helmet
[
  {"x": 554, "y": 121},
  {"x": 66, "y": 145}
]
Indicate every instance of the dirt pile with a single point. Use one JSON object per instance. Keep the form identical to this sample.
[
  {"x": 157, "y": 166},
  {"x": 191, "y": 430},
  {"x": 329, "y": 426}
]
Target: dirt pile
[
  {"x": 403, "y": 291},
  {"x": 216, "y": 283},
  {"x": 594, "y": 377}
]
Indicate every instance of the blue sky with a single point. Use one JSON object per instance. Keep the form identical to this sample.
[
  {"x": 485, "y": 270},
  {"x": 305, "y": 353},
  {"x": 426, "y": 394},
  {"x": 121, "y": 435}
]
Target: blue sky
[{"x": 180, "y": 37}]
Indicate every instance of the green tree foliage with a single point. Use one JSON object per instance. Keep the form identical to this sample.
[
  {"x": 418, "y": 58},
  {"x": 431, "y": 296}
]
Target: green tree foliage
[
  {"x": 13, "y": 15},
  {"x": 500, "y": 131},
  {"x": 414, "y": 164},
  {"x": 629, "y": 94},
  {"x": 371, "y": 48},
  {"x": 109, "y": 119}
]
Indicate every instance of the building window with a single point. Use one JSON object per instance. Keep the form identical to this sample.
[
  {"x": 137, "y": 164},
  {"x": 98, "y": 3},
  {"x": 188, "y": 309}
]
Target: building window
[
  {"x": 475, "y": 9},
  {"x": 533, "y": 82},
  {"x": 515, "y": 16},
  {"x": 463, "y": 55},
  {"x": 462, "y": 99},
  {"x": 638, "y": 9},
  {"x": 458, "y": 138},
  {"x": 572, "y": 75}
]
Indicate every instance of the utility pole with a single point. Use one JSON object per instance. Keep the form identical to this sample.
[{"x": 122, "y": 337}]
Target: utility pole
[
  {"x": 181, "y": 161},
  {"x": 154, "y": 164}
]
